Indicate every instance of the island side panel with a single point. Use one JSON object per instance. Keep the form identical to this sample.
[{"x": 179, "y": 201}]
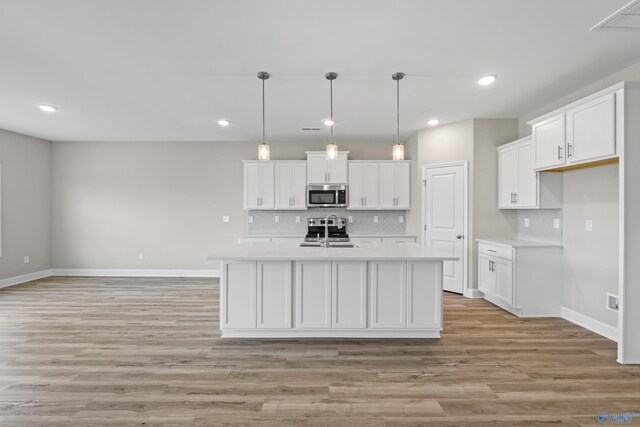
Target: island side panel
[
  {"x": 238, "y": 295},
  {"x": 424, "y": 295}
]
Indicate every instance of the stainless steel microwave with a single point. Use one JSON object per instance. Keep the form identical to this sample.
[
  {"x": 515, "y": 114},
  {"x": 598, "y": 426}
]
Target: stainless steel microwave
[{"x": 327, "y": 196}]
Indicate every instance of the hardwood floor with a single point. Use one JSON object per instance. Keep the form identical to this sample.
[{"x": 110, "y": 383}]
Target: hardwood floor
[{"x": 132, "y": 351}]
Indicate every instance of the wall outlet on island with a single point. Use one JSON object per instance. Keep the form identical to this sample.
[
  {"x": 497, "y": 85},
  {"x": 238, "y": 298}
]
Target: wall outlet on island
[
  {"x": 141, "y": 256},
  {"x": 27, "y": 260},
  {"x": 375, "y": 219}
]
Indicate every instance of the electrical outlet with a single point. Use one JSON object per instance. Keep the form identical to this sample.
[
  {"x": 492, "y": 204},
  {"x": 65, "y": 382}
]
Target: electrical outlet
[
  {"x": 375, "y": 219},
  {"x": 141, "y": 256},
  {"x": 526, "y": 222},
  {"x": 556, "y": 223},
  {"x": 27, "y": 260},
  {"x": 350, "y": 218},
  {"x": 297, "y": 218},
  {"x": 612, "y": 302},
  {"x": 276, "y": 218},
  {"x": 250, "y": 219},
  {"x": 588, "y": 225},
  {"x": 225, "y": 218},
  {"x": 401, "y": 219}
]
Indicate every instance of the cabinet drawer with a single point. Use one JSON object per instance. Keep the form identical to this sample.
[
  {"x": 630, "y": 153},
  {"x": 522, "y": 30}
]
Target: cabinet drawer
[{"x": 504, "y": 252}]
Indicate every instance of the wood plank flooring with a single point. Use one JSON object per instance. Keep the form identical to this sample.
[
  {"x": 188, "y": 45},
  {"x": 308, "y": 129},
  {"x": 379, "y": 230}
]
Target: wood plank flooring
[{"x": 141, "y": 351}]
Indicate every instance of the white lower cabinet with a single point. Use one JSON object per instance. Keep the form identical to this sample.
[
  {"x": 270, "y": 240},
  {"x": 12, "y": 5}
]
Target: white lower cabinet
[
  {"x": 274, "y": 294},
  {"x": 525, "y": 280},
  {"x": 349, "y": 294},
  {"x": 313, "y": 294},
  {"x": 238, "y": 295},
  {"x": 388, "y": 294}
]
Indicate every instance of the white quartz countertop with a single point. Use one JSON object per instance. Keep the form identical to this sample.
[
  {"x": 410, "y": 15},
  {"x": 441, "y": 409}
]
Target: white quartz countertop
[
  {"x": 301, "y": 235},
  {"x": 516, "y": 243},
  {"x": 291, "y": 251}
]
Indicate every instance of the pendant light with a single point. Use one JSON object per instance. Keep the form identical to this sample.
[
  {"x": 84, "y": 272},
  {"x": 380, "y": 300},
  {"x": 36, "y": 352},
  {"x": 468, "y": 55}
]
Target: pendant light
[
  {"x": 263, "y": 149},
  {"x": 398, "y": 149},
  {"x": 332, "y": 148}
]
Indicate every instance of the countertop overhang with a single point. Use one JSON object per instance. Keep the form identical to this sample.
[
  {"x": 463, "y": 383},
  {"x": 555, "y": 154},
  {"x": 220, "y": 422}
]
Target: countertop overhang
[{"x": 291, "y": 251}]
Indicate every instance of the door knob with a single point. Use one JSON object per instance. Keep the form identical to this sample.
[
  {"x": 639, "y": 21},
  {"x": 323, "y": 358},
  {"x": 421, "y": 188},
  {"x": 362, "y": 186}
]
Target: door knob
[{"x": 459, "y": 236}]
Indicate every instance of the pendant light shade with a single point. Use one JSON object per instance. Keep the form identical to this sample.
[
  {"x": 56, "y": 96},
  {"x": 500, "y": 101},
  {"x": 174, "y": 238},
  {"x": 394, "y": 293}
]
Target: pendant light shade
[
  {"x": 263, "y": 148},
  {"x": 398, "y": 149},
  {"x": 332, "y": 148}
]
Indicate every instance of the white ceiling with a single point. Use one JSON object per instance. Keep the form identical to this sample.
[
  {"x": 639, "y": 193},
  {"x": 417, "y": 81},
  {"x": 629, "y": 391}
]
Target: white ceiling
[{"x": 169, "y": 69}]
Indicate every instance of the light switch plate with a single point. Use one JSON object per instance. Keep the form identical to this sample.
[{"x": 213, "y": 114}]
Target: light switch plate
[
  {"x": 276, "y": 218},
  {"x": 401, "y": 219},
  {"x": 250, "y": 219},
  {"x": 297, "y": 218},
  {"x": 526, "y": 222},
  {"x": 350, "y": 218},
  {"x": 27, "y": 260},
  {"x": 588, "y": 225},
  {"x": 225, "y": 218},
  {"x": 375, "y": 219},
  {"x": 141, "y": 256},
  {"x": 556, "y": 223}
]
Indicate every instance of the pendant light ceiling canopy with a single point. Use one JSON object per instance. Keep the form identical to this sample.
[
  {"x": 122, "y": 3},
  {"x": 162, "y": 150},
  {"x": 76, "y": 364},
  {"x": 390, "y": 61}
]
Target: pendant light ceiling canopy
[
  {"x": 398, "y": 149},
  {"x": 332, "y": 148},
  {"x": 263, "y": 148}
]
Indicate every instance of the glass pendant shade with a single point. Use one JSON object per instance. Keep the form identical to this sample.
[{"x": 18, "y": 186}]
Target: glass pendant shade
[
  {"x": 263, "y": 152},
  {"x": 398, "y": 152},
  {"x": 332, "y": 151}
]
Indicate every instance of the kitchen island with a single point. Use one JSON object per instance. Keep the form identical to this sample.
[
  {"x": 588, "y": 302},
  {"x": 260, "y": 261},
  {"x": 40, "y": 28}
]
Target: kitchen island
[{"x": 282, "y": 290}]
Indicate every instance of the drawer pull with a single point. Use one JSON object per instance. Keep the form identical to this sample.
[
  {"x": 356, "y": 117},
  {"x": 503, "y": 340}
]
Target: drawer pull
[{"x": 491, "y": 250}]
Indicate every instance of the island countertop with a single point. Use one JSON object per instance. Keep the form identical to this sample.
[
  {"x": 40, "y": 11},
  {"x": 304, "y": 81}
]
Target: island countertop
[{"x": 291, "y": 251}]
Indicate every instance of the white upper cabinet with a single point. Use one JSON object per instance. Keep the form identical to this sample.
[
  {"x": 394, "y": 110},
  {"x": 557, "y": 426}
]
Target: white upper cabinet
[
  {"x": 582, "y": 132},
  {"x": 519, "y": 185},
  {"x": 322, "y": 170},
  {"x": 395, "y": 185},
  {"x": 259, "y": 178},
  {"x": 591, "y": 131},
  {"x": 363, "y": 185},
  {"x": 291, "y": 185},
  {"x": 549, "y": 140}
]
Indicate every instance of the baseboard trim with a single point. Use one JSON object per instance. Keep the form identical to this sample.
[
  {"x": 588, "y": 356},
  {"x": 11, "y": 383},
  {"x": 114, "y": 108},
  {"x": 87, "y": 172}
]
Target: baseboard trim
[
  {"x": 133, "y": 272},
  {"x": 589, "y": 323},
  {"x": 473, "y": 293},
  {"x": 16, "y": 280}
]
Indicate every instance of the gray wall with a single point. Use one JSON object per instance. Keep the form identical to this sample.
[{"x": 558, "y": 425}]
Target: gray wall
[
  {"x": 26, "y": 201},
  {"x": 113, "y": 200}
]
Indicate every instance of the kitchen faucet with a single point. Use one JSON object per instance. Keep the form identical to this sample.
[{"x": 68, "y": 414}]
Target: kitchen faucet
[{"x": 326, "y": 228}]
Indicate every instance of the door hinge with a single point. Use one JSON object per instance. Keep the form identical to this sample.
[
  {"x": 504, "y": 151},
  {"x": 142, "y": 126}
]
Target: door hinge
[{"x": 425, "y": 228}]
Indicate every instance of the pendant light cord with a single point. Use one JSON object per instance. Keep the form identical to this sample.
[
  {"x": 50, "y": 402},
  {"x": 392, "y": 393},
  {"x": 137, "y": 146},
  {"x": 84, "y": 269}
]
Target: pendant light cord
[
  {"x": 332, "y": 122},
  {"x": 398, "y": 111},
  {"x": 263, "y": 111}
]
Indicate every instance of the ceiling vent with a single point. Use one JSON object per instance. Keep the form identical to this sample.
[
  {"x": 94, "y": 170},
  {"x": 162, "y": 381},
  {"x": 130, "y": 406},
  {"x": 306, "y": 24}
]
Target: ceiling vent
[
  {"x": 625, "y": 19},
  {"x": 307, "y": 129}
]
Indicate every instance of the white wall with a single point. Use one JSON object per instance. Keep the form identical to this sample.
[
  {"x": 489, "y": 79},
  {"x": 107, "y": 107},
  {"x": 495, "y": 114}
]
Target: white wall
[
  {"x": 26, "y": 201},
  {"x": 113, "y": 200}
]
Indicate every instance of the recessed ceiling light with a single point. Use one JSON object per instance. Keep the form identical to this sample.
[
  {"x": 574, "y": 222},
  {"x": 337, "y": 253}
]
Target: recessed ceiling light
[
  {"x": 433, "y": 122},
  {"x": 487, "y": 80},
  {"x": 48, "y": 108},
  {"x": 224, "y": 123},
  {"x": 329, "y": 123}
]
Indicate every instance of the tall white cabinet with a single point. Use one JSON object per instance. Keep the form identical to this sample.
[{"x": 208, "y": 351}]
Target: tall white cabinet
[
  {"x": 290, "y": 185},
  {"x": 363, "y": 184},
  {"x": 519, "y": 185},
  {"x": 259, "y": 185},
  {"x": 395, "y": 179},
  {"x": 322, "y": 170}
]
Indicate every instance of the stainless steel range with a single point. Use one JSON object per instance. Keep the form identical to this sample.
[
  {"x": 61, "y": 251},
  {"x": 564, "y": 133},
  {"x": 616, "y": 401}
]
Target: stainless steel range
[{"x": 337, "y": 228}]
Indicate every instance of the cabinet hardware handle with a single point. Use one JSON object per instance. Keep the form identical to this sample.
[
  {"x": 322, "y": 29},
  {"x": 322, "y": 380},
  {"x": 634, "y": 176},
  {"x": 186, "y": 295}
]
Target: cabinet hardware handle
[
  {"x": 365, "y": 201},
  {"x": 511, "y": 198},
  {"x": 515, "y": 198},
  {"x": 569, "y": 150},
  {"x": 491, "y": 250},
  {"x": 559, "y": 152}
]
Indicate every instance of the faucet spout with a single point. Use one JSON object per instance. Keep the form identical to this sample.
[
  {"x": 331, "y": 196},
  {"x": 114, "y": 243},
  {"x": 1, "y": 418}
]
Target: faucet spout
[{"x": 326, "y": 227}]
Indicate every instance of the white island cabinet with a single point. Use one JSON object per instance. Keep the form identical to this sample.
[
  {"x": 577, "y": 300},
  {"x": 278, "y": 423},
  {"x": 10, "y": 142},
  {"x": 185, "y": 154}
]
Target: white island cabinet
[{"x": 278, "y": 290}]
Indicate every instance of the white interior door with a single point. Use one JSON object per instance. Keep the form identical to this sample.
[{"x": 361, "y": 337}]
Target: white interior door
[{"x": 444, "y": 217}]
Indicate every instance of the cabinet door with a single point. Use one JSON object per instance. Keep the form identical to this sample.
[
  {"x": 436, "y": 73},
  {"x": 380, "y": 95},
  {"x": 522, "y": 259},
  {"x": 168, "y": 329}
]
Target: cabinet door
[
  {"x": 284, "y": 185},
  {"x": 238, "y": 296},
  {"x": 504, "y": 280},
  {"x": 388, "y": 294},
  {"x": 424, "y": 294},
  {"x": 274, "y": 294},
  {"x": 591, "y": 132},
  {"x": 527, "y": 190},
  {"x": 313, "y": 294},
  {"x": 403, "y": 186},
  {"x": 337, "y": 169},
  {"x": 317, "y": 172},
  {"x": 299, "y": 176},
  {"x": 486, "y": 275},
  {"x": 251, "y": 186},
  {"x": 349, "y": 294},
  {"x": 549, "y": 141},
  {"x": 387, "y": 186},
  {"x": 267, "y": 186},
  {"x": 507, "y": 177},
  {"x": 370, "y": 185},
  {"x": 356, "y": 185}
]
